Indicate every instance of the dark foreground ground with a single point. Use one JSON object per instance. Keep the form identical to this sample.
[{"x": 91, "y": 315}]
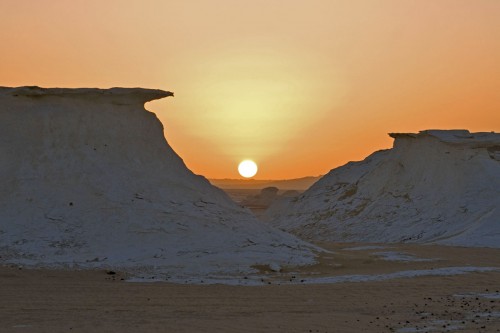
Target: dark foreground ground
[{"x": 94, "y": 301}]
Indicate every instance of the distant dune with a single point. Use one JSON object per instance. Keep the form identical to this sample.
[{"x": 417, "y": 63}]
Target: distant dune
[{"x": 287, "y": 184}]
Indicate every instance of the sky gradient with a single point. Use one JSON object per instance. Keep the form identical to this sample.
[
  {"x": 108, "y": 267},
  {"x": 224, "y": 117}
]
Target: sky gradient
[{"x": 300, "y": 87}]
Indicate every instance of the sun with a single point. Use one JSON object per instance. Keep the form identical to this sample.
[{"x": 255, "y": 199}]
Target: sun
[{"x": 247, "y": 168}]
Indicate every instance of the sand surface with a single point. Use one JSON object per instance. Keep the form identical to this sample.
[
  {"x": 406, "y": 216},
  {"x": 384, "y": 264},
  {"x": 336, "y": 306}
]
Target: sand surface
[{"x": 95, "y": 301}]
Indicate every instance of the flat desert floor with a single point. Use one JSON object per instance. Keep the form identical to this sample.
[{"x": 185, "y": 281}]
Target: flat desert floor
[{"x": 35, "y": 300}]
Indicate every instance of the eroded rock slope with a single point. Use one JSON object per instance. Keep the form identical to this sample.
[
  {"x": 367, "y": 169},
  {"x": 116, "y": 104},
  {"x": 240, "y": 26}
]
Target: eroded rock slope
[
  {"x": 88, "y": 180},
  {"x": 434, "y": 186}
]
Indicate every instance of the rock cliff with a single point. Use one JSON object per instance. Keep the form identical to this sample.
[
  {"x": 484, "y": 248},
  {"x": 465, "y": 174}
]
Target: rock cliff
[
  {"x": 88, "y": 180},
  {"x": 435, "y": 186}
]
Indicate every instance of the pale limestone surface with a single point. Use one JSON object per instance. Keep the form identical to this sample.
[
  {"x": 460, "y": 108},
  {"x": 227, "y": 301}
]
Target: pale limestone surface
[
  {"x": 432, "y": 187},
  {"x": 88, "y": 180}
]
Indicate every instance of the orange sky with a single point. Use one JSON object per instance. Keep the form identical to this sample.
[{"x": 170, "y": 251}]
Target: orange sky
[{"x": 300, "y": 87}]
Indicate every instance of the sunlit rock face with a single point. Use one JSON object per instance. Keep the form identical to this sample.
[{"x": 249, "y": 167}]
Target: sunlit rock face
[
  {"x": 89, "y": 180},
  {"x": 434, "y": 186}
]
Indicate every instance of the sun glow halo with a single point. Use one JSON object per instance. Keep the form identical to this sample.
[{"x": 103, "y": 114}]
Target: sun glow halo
[{"x": 247, "y": 168}]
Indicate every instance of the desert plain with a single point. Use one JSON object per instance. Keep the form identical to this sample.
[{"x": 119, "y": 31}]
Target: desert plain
[{"x": 42, "y": 300}]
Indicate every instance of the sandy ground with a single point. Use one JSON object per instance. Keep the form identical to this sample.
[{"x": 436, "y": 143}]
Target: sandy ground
[{"x": 95, "y": 301}]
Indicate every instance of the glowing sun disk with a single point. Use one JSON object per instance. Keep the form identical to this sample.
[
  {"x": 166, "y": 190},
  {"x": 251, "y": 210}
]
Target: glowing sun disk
[{"x": 247, "y": 168}]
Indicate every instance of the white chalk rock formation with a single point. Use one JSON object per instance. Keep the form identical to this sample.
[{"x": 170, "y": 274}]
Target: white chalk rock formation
[
  {"x": 88, "y": 180},
  {"x": 434, "y": 186}
]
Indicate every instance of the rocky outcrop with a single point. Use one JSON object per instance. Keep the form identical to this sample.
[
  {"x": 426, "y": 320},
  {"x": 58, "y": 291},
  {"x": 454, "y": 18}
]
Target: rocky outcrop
[
  {"x": 434, "y": 186},
  {"x": 265, "y": 198},
  {"x": 88, "y": 180}
]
